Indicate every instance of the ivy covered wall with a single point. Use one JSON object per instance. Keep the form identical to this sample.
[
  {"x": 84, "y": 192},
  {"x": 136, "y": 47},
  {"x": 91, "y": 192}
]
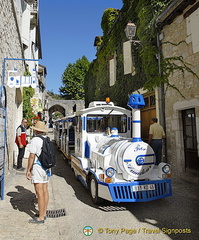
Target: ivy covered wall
[{"x": 143, "y": 13}]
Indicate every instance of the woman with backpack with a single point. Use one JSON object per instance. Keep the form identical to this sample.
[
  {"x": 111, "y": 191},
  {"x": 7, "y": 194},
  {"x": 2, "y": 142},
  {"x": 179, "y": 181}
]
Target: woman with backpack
[{"x": 38, "y": 175}]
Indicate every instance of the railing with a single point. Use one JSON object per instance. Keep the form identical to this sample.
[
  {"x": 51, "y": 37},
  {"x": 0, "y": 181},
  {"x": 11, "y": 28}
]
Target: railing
[{"x": 34, "y": 7}]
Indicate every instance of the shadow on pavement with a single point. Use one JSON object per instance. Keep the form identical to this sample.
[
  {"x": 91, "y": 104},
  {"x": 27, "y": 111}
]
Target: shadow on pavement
[
  {"x": 63, "y": 170},
  {"x": 23, "y": 200},
  {"x": 175, "y": 216}
]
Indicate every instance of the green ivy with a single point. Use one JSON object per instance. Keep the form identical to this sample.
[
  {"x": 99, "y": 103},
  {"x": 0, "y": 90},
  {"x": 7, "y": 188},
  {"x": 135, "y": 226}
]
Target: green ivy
[
  {"x": 97, "y": 78},
  {"x": 28, "y": 93},
  {"x": 144, "y": 13},
  {"x": 147, "y": 12},
  {"x": 108, "y": 19}
]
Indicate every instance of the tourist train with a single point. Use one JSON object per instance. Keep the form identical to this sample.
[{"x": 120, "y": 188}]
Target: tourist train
[{"x": 104, "y": 147}]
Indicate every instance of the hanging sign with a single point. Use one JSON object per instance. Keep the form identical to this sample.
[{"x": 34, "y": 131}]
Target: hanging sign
[{"x": 22, "y": 81}]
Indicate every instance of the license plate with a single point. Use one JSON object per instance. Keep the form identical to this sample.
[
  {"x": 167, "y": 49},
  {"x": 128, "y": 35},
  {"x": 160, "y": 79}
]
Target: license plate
[{"x": 143, "y": 187}]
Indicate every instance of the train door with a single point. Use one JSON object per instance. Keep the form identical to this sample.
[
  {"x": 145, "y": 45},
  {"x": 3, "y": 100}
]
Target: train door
[
  {"x": 77, "y": 123},
  {"x": 71, "y": 137},
  {"x": 190, "y": 140}
]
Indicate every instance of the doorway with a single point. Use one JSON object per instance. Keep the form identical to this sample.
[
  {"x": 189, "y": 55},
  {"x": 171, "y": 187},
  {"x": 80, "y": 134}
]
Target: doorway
[
  {"x": 190, "y": 140},
  {"x": 147, "y": 113}
]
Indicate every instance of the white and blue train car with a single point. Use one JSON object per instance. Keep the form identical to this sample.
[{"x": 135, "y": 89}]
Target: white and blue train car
[
  {"x": 109, "y": 161},
  {"x": 57, "y": 132},
  {"x": 64, "y": 135}
]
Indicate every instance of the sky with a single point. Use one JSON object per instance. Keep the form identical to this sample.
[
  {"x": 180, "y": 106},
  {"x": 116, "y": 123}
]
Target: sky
[{"x": 68, "y": 29}]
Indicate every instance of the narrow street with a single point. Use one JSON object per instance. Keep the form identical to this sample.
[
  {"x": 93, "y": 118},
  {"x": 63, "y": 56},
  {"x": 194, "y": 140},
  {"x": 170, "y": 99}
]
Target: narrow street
[
  {"x": 152, "y": 220},
  {"x": 83, "y": 69},
  {"x": 175, "y": 217}
]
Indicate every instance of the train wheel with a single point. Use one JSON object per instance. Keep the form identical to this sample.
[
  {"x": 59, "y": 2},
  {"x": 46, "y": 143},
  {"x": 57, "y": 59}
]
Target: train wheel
[
  {"x": 94, "y": 191},
  {"x": 76, "y": 175}
]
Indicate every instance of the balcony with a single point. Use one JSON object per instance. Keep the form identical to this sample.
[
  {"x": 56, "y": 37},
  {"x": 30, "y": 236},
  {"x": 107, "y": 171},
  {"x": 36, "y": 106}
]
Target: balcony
[
  {"x": 34, "y": 14},
  {"x": 34, "y": 8}
]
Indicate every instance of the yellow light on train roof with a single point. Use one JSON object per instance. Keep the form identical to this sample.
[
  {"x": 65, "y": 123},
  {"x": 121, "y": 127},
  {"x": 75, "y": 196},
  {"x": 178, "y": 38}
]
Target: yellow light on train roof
[{"x": 108, "y": 99}]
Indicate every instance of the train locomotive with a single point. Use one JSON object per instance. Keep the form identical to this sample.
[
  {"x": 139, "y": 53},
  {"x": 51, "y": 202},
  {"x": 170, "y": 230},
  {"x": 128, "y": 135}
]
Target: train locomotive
[{"x": 107, "y": 159}]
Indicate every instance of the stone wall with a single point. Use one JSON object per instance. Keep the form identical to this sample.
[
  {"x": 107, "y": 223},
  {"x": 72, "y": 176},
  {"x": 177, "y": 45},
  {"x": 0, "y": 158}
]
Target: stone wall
[
  {"x": 188, "y": 85},
  {"x": 10, "y": 47},
  {"x": 66, "y": 105}
]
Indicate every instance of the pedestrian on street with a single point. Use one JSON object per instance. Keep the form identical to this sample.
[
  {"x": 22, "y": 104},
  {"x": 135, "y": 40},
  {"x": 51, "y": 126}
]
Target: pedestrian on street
[
  {"x": 156, "y": 134},
  {"x": 37, "y": 174},
  {"x": 21, "y": 141}
]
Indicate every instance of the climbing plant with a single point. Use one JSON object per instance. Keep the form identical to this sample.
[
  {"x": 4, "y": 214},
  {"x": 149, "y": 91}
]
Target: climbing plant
[
  {"x": 28, "y": 93},
  {"x": 149, "y": 72},
  {"x": 148, "y": 11},
  {"x": 108, "y": 19},
  {"x": 111, "y": 45}
]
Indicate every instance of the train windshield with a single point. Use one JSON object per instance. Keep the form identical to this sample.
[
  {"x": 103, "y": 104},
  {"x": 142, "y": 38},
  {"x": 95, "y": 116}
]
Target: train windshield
[{"x": 100, "y": 123}]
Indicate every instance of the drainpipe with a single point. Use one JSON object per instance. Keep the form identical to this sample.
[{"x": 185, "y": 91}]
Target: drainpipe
[
  {"x": 167, "y": 10},
  {"x": 161, "y": 98}
]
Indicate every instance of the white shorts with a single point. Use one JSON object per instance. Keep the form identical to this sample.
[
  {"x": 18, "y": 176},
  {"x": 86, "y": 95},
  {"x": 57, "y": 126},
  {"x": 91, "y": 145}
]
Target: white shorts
[{"x": 39, "y": 175}]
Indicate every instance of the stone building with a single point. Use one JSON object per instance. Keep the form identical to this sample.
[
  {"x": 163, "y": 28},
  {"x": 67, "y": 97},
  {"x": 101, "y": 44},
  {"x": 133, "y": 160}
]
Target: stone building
[
  {"x": 117, "y": 71},
  {"x": 179, "y": 28},
  {"x": 20, "y": 47}
]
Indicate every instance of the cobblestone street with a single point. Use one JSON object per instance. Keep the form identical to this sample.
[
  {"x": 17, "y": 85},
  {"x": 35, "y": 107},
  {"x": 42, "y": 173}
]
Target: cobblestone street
[{"x": 20, "y": 205}]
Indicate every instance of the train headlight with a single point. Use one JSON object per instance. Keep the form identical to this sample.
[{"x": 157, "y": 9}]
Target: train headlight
[
  {"x": 110, "y": 172},
  {"x": 166, "y": 169}
]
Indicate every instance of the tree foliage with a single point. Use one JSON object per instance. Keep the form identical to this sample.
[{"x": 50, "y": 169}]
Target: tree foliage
[
  {"x": 54, "y": 95},
  {"x": 73, "y": 79}
]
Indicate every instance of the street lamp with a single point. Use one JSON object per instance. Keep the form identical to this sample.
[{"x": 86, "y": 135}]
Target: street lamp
[{"x": 130, "y": 31}]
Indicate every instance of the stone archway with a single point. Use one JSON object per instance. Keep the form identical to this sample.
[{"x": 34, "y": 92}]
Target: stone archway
[
  {"x": 57, "y": 108},
  {"x": 66, "y": 107}
]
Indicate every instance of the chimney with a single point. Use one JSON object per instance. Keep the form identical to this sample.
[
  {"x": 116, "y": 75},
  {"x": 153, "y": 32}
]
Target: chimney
[{"x": 136, "y": 101}]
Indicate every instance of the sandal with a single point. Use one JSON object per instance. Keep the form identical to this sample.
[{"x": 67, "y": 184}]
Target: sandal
[
  {"x": 37, "y": 215},
  {"x": 35, "y": 220}
]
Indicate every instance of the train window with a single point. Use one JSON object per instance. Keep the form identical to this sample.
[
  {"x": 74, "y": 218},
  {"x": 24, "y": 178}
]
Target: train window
[
  {"x": 80, "y": 124},
  {"x": 150, "y": 101},
  {"x": 75, "y": 121},
  {"x": 99, "y": 123}
]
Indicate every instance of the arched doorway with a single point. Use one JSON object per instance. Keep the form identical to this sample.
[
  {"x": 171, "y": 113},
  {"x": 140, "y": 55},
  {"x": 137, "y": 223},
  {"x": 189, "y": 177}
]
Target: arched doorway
[{"x": 56, "y": 111}]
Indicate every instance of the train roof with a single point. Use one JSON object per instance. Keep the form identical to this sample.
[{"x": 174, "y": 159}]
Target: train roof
[
  {"x": 100, "y": 103},
  {"x": 68, "y": 117},
  {"x": 100, "y": 107}
]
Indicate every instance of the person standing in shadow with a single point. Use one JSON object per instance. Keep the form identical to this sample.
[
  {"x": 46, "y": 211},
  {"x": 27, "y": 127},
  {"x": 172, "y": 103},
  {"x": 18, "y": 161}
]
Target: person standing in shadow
[
  {"x": 156, "y": 134},
  {"x": 21, "y": 142}
]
